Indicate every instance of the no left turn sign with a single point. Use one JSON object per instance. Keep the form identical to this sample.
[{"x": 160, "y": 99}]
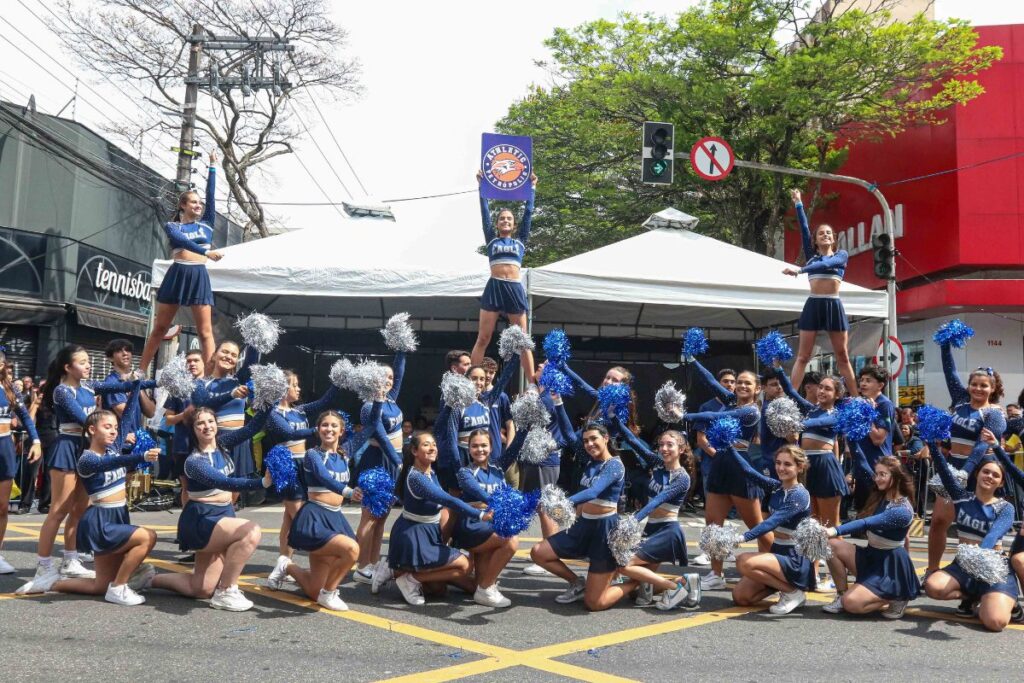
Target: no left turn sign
[{"x": 712, "y": 158}]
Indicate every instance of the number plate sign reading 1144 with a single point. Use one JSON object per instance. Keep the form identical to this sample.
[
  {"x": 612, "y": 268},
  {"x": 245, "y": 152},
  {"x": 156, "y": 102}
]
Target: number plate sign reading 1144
[{"x": 712, "y": 158}]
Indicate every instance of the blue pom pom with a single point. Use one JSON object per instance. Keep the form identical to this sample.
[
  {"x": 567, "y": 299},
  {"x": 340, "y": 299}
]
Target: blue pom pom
[
  {"x": 694, "y": 342},
  {"x": 556, "y": 347},
  {"x": 378, "y": 491},
  {"x": 772, "y": 347},
  {"x": 143, "y": 442},
  {"x": 854, "y": 418},
  {"x": 933, "y": 423},
  {"x": 955, "y": 333},
  {"x": 723, "y": 432},
  {"x": 556, "y": 381},
  {"x": 281, "y": 467},
  {"x": 614, "y": 398},
  {"x": 513, "y": 510}
]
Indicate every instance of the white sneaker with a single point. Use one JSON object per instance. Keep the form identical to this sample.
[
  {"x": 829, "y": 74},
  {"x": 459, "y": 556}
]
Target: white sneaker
[
  {"x": 644, "y": 595},
  {"x": 712, "y": 582},
  {"x": 73, "y": 569},
  {"x": 895, "y": 609},
  {"x": 412, "y": 590},
  {"x": 288, "y": 578},
  {"x": 693, "y": 591},
  {"x": 490, "y": 597},
  {"x": 672, "y": 598},
  {"x": 277, "y": 574},
  {"x": 142, "y": 577},
  {"x": 572, "y": 593},
  {"x": 701, "y": 560},
  {"x": 382, "y": 575},
  {"x": 231, "y": 599},
  {"x": 5, "y": 566},
  {"x": 535, "y": 570},
  {"x": 788, "y": 602},
  {"x": 331, "y": 601},
  {"x": 87, "y": 557},
  {"x": 43, "y": 580},
  {"x": 836, "y": 606},
  {"x": 363, "y": 575},
  {"x": 123, "y": 595}
]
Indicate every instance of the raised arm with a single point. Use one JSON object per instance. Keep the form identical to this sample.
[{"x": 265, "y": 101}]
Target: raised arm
[
  {"x": 638, "y": 445},
  {"x": 510, "y": 453},
  {"x": 314, "y": 408},
  {"x": 676, "y": 489},
  {"x": 210, "y": 210},
  {"x": 752, "y": 475},
  {"x": 470, "y": 486},
  {"x": 250, "y": 357},
  {"x": 805, "y": 231},
  {"x": 314, "y": 465},
  {"x": 423, "y": 486},
  {"x": 957, "y": 391},
  {"x": 231, "y": 439},
  {"x": 178, "y": 239},
  {"x": 578, "y": 381},
  {"x": 1016, "y": 473},
  {"x": 893, "y": 517},
  {"x": 446, "y": 434},
  {"x": 956, "y": 491},
  {"x": 485, "y": 219},
  {"x": 612, "y": 471},
  {"x": 711, "y": 382},
  {"x": 787, "y": 386},
  {"x": 501, "y": 382},
  {"x": 398, "y": 369},
  {"x": 381, "y": 435},
  {"x": 794, "y": 503}
]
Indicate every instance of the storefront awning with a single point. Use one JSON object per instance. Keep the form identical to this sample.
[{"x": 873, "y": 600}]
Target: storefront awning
[
  {"x": 18, "y": 311},
  {"x": 111, "y": 321}
]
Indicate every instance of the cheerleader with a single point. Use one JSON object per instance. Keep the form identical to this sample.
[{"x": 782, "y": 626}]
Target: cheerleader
[
  {"x": 320, "y": 528},
  {"x": 119, "y": 353},
  {"x": 823, "y": 311},
  {"x": 886, "y": 579},
  {"x": 727, "y": 486},
  {"x": 178, "y": 414},
  {"x": 871, "y": 381},
  {"x": 771, "y": 389},
  {"x": 663, "y": 539},
  {"x": 186, "y": 282},
  {"x": 726, "y": 377},
  {"x": 504, "y": 294},
  {"x": 970, "y": 404},
  {"x": 10, "y": 406},
  {"x": 207, "y": 525},
  {"x": 71, "y": 397},
  {"x": 597, "y": 503},
  {"x": 1017, "y": 549},
  {"x": 417, "y": 556},
  {"x": 782, "y": 569},
  {"x": 226, "y": 393},
  {"x": 981, "y": 519},
  {"x": 105, "y": 529}
]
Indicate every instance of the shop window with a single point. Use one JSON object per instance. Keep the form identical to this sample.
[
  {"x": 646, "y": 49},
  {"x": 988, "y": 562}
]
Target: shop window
[{"x": 22, "y": 256}]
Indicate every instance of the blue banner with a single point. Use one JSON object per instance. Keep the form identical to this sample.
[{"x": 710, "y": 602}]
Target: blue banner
[{"x": 507, "y": 163}]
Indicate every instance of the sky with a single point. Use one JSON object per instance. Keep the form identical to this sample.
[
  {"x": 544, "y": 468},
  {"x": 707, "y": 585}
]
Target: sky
[{"x": 435, "y": 76}]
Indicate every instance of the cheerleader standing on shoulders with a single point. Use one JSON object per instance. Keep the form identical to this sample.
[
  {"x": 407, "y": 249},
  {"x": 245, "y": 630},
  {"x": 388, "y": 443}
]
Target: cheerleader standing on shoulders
[
  {"x": 886, "y": 579},
  {"x": 10, "y": 406}
]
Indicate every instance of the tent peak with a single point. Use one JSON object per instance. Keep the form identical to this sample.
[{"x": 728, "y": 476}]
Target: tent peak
[
  {"x": 368, "y": 209},
  {"x": 671, "y": 218}
]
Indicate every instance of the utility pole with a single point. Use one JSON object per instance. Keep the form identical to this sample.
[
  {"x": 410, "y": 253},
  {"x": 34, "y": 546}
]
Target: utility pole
[{"x": 188, "y": 118}]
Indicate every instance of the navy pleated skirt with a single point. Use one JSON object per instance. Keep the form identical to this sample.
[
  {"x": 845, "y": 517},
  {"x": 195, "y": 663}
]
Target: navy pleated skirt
[
  {"x": 889, "y": 574},
  {"x": 103, "y": 530},
  {"x": 587, "y": 539},
  {"x": 315, "y": 526},
  {"x": 797, "y": 569},
  {"x": 197, "y": 522},
  {"x": 504, "y": 296},
  {"x": 186, "y": 285},
  {"x": 663, "y": 541},
  {"x": 823, "y": 313},
  {"x": 975, "y": 588},
  {"x": 469, "y": 533},
  {"x": 63, "y": 453},
  {"x": 825, "y": 477},
  {"x": 416, "y": 546}
]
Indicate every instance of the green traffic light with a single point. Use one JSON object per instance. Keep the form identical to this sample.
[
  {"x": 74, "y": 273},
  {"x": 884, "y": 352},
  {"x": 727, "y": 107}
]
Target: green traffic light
[{"x": 659, "y": 167}]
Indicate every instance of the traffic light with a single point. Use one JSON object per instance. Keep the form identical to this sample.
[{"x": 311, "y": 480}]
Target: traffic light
[
  {"x": 885, "y": 256},
  {"x": 658, "y": 161}
]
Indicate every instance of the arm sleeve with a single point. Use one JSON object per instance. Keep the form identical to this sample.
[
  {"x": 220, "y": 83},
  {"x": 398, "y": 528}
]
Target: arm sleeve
[
  {"x": 793, "y": 505},
  {"x": 203, "y": 397},
  {"x": 501, "y": 383},
  {"x": 1016, "y": 473},
  {"x": 787, "y": 386},
  {"x": 677, "y": 488},
  {"x": 250, "y": 357},
  {"x": 527, "y": 223},
  {"x": 956, "y": 491},
  {"x": 199, "y": 470},
  {"x": 121, "y": 386},
  {"x": 469, "y": 484},
  {"x": 611, "y": 472},
  {"x": 26, "y": 420},
  {"x": 510, "y": 453},
  {"x": 957, "y": 390},
  {"x": 893, "y": 517},
  {"x": 65, "y": 398},
  {"x": 568, "y": 434},
  {"x": 651, "y": 458},
  {"x": 485, "y": 219},
  {"x": 750, "y": 473},
  {"x": 424, "y": 487},
  {"x": 978, "y": 452},
  {"x": 314, "y": 408},
  {"x": 210, "y": 210},
  {"x": 446, "y": 434},
  {"x": 805, "y": 232},
  {"x": 820, "y": 421},
  {"x": 578, "y": 381},
  {"x": 1000, "y": 527},
  {"x": 382, "y": 437},
  {"x": 836, "y": 260},
  {"x": 179, "y": 241},
  {"x": 90, "y": 463},
  {"x": 315, "y": 466},
  {"x": 398, "y": 368},
  {"x": 279, "y": 427},
  {"x": 231, "y": 439},
  {"x": 746, "y": 415},
  {"x": 709, "y": 381}
]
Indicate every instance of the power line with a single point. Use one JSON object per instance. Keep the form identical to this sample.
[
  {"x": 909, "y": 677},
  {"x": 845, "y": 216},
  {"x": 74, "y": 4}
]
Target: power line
[
  {"x": 319, "y": 149},
  {"x": 338, "y": 145},
  {"x": 385, "y": 201},
  {"x": 952, "y": 170}
]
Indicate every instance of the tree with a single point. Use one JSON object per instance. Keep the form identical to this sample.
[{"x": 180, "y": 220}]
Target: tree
[
  {"x": 721, "y": 68},
  {"x": 145, "y": 43}
]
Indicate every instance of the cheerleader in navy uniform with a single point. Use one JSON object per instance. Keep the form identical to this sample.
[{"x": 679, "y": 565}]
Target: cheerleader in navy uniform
[
  {"x": 1017, "y": 549},
  {"x": 11, "y": 406},
  {"x": 504, "y": 293},
  {"x": 782, "y": 569},
  {"x": 207, "y": 525},
  {"x": 186, "y": 282},
  {"x": 981, "y": 519},
  {"x": 226, "y": 393},
  {"x": 886, "y": 578},
  {"x": 823, "y": 311},
  {"x": 72, "y": 398},
  {"x": 105, "y": 529},
  {"x": 727, "y": 378}
]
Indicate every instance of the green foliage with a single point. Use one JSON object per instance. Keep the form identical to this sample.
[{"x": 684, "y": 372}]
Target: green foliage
[{"x": 779, "y": 88}]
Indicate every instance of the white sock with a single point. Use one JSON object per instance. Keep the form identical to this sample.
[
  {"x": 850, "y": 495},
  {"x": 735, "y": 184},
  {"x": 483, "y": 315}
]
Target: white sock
[
  {"x": 283, "y": 561},
  {"x": 44, "y": 561},
  {"x": 70, "y": 555}
]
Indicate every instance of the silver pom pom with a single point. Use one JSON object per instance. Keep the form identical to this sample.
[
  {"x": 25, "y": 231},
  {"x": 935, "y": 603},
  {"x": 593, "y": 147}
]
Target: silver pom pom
[
  {"x": 718, "y": 542},
  {"x": 528, "y": 410},
  {"x": 259, "y": 331},
  {"x": 269, "y": 386},
  {"x": 369, "y": 380},
  {"x": 399, "y": 335},
  {"x": 988, "y": 566},
  {"x": 513, "y": 340},
  {"x": 812, "y": 540},
  {"x": 341, "y": 373},
  {"x": 176, "y": 379},
  {"x": 457, "y": 391},
  {"x": 670, "y": 403},
  {"x": 537, "y": 446},
  {"x": 939, "y": 489},
  {"x": 556, "y": 505},
  {"x": 784, "y": 417},
  {"x": 625, "y": 539}
]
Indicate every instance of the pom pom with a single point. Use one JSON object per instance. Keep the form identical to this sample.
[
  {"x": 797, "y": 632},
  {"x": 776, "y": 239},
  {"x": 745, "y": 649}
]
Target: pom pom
[
  {"x": 556, "y": 381},
  {"x": 625, "y": 538},
  {"x": 269, "y": 386},
  {"x": 987, "y": 566},
  {"x": 555, "y": 504},
  {"x": 722, "y": 432},
  {"x": 939, "y": 489},
  {"x": 457, "y": 391},
  {"x": 259, "y": 331},
  {"x": 933, "y": 423},
  {"x": 811, "y": 538},
  {"x": 341, "y": 373},
  {"x": 772, "y": 347},
  {"x": 718, "y": 542},
  {"x": 399, "y": 335},
  {"x": 670, "y": 403},
  {"x": 378, "y": 490},
  {"x": 537, "y": 446},
  {"x": 854, "y": 418},
  {"x": 955, "y": 333},
  {"x": 514, "y": 340},
  {"x": 994, "y": 420},
  {"x": 694, "y": 342},
  {"x": 556, "y": 347},
  {"x": 282, "y": 468},
  {"x": 143, "y": 442},
  {"x": 783, "y": 417},
  {"x": 369, "y": 380},
  {"x": 175, "y": 378},
  {"x": 614, "y": 399},
  {"x": 528, "y": 410},
  {"x": 513, "y": 510}
]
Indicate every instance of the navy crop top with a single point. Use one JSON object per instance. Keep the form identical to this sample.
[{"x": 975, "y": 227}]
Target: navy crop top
[
  {"x": 507, "y": 250},
  {"x": 819, "y": 267}
]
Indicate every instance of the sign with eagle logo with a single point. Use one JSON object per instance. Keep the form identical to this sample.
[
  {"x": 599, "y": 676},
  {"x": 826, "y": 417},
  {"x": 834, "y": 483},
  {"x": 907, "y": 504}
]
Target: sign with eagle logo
[{"x": 506, "y": 162}]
